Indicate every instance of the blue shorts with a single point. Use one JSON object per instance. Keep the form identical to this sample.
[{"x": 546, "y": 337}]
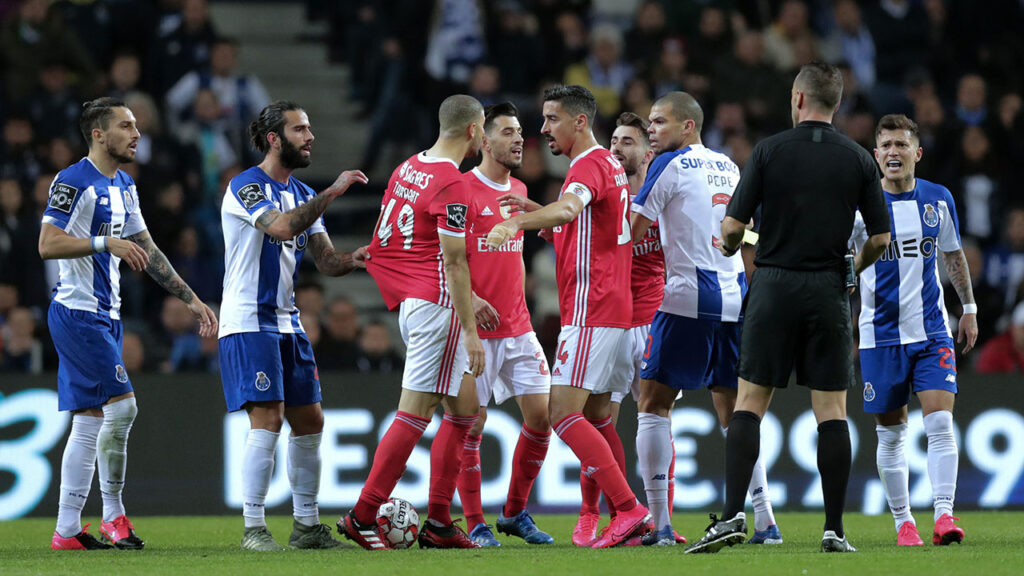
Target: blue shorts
[
  {"x": 268, "y": 367},
  {"x": 892, "y": 373},
  {"x": 690, "y": 353},
  {"x": 90, "y": 370}
]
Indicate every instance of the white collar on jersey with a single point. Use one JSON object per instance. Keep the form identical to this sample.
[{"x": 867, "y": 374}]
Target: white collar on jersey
[
  {"x": 584, "y": 153},
  {"x": 422, "y": 157},
  {"x": 499, "y": 187}
]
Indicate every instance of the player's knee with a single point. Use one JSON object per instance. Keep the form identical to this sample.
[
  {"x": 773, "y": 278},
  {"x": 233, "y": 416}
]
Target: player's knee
[
  {"x": 478, "y": 426},
  {"x": 120, "y": 413},
  {"x": 537, "y": 420}
]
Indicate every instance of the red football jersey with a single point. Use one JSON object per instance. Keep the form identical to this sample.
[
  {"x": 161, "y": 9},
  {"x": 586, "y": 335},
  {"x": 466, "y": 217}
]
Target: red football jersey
[
  {"x": 593, "y": 253},
  {"x": 426, "y": 196},
  {"x": 497, "y": 274},
  {"x": 647, "y": 278}
]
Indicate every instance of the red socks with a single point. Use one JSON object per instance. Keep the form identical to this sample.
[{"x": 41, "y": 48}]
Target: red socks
[
  {"x": 611, "y": 436},
  {"x": 469, "y": 482},
  {"x": 445, "y": 457},
  {"x": 596, "y": 459},
  {"x": 389, "y": 464},
  {"x": 530, "y": 452}
]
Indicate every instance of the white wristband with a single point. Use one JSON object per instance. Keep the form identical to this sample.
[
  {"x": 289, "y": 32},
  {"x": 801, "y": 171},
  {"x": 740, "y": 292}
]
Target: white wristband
[
  {"x": 99, "y": 244},
  {"x": 970, "y": 308}
]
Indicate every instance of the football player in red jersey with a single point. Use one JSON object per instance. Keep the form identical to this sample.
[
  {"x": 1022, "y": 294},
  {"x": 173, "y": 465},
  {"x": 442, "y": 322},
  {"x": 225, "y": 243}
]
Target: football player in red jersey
[
  {"x": 516, "y": 366},
  {"x": 418, "y": 259},
  {"x": 593, "y": 250}
]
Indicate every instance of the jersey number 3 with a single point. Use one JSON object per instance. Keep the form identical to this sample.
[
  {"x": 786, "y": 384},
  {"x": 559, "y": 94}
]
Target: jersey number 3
[
  {"x": 405, "y": 221},
  {"x": 626, "y": 234}
]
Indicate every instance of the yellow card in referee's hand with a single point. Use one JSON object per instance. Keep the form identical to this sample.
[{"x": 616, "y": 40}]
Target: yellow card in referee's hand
[{"x": 750, "y": 237}]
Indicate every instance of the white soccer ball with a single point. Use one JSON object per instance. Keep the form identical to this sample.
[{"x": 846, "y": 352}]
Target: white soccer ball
[{"x": 399, "y": 522}]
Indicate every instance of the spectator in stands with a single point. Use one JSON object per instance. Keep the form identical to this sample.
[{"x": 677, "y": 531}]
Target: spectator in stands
[
  {"x": 977, "y": 187},
  {"x": 194, "y": 266},
  {"x": 1004, "y": 354},
  {"x": 728, "y": 119},
  {"x": 309, "y": 299},
  {"x": 746, "y": 76},
  {"x": 240, "y": 96},
  {"x": 133, "y": 353},
  {"x": 971, "y": 93},
  {"x": 637, "y": 98},
  {"x": 377, "y": 352},
  {"x": 159, "y": 157},
  {"x": 34, "y": 35},
  {"x": 900, "y": 32},
  {"x": 566, "y": 42},
  {"x": 603, "y": 71},
  {"x": 1004, "y": 263},
  {"x": 790, "y": 28},
  {"x": 185, "y": 350},
  {"x": 644, "y": 40},
  {"x": 456, "y": 43},
  {"x": 22, "y": 351},
  {"x": 713, "y": 39},
  {"x": 54, "y": 108},
  {"x": 938, "y": 138},
  {"x": 851, "y": 42},
  {"x": 182, "y": 49},
  {"x": 17, "y": 159},
  {"x": 989, "y": 298},
  {"x": 19, "y": 258},
  {"x": 485, "y": 84},
  {"x": 124, "y": 75},
  {"x": 339, "y": 345},
  {"x": 517, "y": 49},
  {"x": 207, "y": 134},
  {"x": 669, "y": 74}
]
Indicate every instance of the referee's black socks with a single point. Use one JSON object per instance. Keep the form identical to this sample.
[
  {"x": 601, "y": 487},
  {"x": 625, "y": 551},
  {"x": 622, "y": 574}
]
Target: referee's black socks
[
  {"x": 742, "y": 445},
  {"x": 834, "y": 457}
]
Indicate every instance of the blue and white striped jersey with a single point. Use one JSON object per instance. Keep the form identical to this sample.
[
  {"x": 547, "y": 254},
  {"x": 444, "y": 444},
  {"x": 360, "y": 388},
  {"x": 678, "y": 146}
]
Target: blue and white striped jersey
[
  {"x": 85, "y": 203},
  {"x": 687, "y": 192},
  {"x": 259, "y": 270},
  {"x": 901, "y": 295}
]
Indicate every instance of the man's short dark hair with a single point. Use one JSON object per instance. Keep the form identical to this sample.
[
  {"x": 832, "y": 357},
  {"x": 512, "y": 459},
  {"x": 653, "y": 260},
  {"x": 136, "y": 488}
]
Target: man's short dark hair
[
  {"x": 271, "y": 119},
  {"x": 574, "y": 99},
  {"x": 495, "y": 111},
  {"x": 635, "y": 121},
  {"x": 96, "y": 114},
  {"x": 822, "y": 83},
  {"x": 898, "y": 122},
  {"x": 684, "y": 107},
  {"x": 457, "y": 112}
]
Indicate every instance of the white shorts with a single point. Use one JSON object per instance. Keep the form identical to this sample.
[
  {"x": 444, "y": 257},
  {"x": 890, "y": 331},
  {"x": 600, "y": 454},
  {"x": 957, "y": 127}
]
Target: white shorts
[
  {"x": 586, "y": 357},
  {"x": 514, "y": 366},
  {"x": 435, "y": 358},
  {"x": 629, "y": 369}
]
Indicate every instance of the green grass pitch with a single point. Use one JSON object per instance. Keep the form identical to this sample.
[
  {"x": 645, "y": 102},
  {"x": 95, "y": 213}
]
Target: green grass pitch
[{"x": 209, "y": 545}]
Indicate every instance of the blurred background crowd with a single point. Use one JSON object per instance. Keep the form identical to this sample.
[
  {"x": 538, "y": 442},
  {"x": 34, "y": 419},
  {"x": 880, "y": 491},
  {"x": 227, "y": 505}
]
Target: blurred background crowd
[{"x": 955, "y": 66}]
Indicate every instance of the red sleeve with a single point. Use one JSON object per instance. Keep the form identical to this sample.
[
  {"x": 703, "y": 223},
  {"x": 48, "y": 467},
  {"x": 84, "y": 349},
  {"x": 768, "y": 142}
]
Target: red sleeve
[
  {"x": 589, "y": 174},
  {"x": 450, "y": 208}
]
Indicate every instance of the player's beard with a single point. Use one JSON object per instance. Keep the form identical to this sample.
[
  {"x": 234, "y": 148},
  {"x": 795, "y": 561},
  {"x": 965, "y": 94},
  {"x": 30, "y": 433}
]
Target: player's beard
[
  {"x": 509, "y": 161},
  {"x": 122, "y": 158},
  {"x": 291, "y": 156}
]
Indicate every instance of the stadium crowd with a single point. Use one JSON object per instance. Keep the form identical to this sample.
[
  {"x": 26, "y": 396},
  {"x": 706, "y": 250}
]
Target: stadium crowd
[{"x": 953, "y": 68}]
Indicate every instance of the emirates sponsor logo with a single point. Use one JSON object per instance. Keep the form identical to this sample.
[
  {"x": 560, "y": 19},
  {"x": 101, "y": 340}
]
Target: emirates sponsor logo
[{"x": 514, "y": 245}]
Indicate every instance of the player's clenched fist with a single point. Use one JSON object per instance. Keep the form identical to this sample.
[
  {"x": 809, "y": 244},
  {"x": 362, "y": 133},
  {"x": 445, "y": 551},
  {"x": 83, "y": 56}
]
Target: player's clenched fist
[{"x": 500, "y": 234}]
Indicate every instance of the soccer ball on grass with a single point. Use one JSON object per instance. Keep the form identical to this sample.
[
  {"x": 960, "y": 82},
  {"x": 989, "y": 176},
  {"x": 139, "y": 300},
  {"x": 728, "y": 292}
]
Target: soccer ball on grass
[{"x": 399, "y": 522}]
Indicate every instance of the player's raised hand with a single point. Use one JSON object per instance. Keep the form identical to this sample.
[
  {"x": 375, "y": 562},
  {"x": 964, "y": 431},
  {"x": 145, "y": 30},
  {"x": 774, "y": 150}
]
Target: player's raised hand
[
  {"x": 207, "y": 319},
  {"x": 500, "y": 234},
  {"x": 361, "y": 255},
  {"x": 128, "y": 251},
  {"x": 475, "y": 351},
  {"x": 486, "y": 316},
  {"x": 968, "y": 330},
  {"x": 518, "y": 202},
  {"x": 346, "y": 179}
]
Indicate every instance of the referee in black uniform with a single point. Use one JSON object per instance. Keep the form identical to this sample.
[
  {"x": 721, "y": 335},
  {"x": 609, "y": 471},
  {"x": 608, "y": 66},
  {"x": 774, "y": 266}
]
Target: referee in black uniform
[{"x": 808, "y": 181}]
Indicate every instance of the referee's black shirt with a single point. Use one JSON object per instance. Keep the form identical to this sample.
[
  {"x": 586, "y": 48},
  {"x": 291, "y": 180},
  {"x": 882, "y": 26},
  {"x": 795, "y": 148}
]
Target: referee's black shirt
[{"x": 809, "y": 182}]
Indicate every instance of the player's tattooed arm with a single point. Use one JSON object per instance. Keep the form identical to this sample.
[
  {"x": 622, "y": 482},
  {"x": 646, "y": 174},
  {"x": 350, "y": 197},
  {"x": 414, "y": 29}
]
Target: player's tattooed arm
[
  {"x": 959, "y": 275},
  {"x": 329, "y": 261},
  {"x": 160, "y": 269},
  {"x": 287, "y": 225}
]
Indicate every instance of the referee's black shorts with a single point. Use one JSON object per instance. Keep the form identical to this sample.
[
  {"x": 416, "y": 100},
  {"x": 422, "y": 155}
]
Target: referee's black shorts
[{"x": 796, "y": 319}]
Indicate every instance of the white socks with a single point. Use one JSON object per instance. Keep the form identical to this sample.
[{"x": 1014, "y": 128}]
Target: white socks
[
  {"x": 112, "y": 454},
  {"x": 893, "y": 471},
  {"x": 764, "y": 515},
  {"x": 76, "y": 471},
  {"x": 304, "y": 477},
  {"x": 655, "y": 452},
  {"x": 257, "y": 469},
  {"x": 943, "y": 460}
]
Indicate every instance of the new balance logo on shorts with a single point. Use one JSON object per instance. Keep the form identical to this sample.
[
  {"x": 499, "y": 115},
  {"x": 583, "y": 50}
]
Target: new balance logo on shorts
[
  {"x": 951, "y": 378},
  {"x": 659, "y": 477}
]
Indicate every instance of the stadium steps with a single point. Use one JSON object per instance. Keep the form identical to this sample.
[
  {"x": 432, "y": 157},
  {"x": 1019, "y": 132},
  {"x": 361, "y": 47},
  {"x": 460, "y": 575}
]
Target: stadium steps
[{"x": 272, "y": 46}]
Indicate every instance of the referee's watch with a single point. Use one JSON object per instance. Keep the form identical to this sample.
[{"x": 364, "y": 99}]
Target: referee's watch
[{"x": 731, "y": 251}]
